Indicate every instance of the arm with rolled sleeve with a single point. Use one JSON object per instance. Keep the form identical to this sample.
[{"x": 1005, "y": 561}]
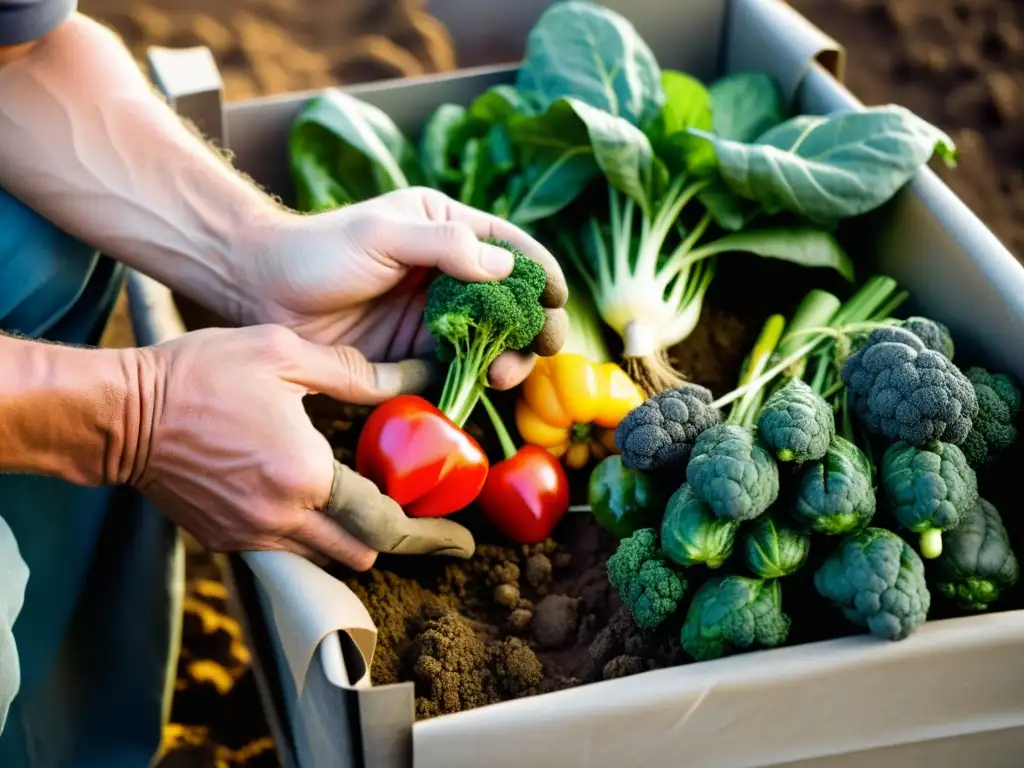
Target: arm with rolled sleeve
[{"x": 22, "y": 22}]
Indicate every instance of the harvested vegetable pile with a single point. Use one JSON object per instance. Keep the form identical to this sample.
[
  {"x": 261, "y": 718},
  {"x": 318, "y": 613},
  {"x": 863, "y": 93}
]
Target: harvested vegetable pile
[{"x": 659, "y": 513}]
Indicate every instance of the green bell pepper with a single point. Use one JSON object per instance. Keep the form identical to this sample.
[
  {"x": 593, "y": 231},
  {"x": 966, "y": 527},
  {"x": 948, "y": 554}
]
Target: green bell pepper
[{"x": 624, "y": 500}]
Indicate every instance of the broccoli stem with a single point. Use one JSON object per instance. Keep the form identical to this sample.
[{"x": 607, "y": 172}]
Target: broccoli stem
[
  {"x": 464, "y": 384},
  {"x": 931, "y": 543},
  {"x": 508, "y": 448}
]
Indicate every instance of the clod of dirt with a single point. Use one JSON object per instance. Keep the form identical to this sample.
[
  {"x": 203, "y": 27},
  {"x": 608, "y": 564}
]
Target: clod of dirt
[
  {"x": 505, "y": 573},
  {"x": 538, "y": 571},
  {"x": 506, "y": 595},
  {"x": 516, "y": 667},
  {"x": 451, "y": 667},
  {"x": 555, "y": 619},
  {"x": 519, "y": 620},
  {"x": 622, "y": 666}
]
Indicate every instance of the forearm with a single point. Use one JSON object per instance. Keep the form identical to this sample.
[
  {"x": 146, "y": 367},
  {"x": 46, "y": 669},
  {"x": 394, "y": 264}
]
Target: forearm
[
  {"x": 86, "y": 142},
  {"x": 72, "y": 413}
]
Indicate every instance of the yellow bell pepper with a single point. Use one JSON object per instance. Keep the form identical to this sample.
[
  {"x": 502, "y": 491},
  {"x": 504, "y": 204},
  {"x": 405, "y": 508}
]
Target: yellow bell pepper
[{"x": 571, "y": 406}]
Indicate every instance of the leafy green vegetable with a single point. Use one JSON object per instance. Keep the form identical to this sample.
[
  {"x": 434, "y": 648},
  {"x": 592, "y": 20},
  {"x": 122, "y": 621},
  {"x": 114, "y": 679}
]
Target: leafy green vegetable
[
  {"x": 930, "y": 488},
  {"x": 828, "y": 168},
  {"x": 648, "y": 587},
  {"x": 877, "y": 580},
  {"x": 734, "y": 613},
  {"x": 796, "y": 423},
  {"x": 344, "y": 150},
  {"x": 836, "y": 495},
  {"x": 731, "y": 471},
  {"x": 773, "y": 549},
  {"x": 585, "y": 50},
  {"x": 978, "y": 564},
  {"x": 692, "y": 535},
  {"x": 745, "y": 105}
]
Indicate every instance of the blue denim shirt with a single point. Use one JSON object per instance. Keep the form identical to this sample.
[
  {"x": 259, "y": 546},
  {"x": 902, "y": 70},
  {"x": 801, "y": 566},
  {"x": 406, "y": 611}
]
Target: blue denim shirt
[{"x": 90, "y": 578}]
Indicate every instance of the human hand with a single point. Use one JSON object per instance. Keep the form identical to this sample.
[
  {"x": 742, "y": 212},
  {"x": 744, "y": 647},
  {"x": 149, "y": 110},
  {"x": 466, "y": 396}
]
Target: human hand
[
  {"x": 224, "y": 447},
  {"x": 359, "y": 275}
]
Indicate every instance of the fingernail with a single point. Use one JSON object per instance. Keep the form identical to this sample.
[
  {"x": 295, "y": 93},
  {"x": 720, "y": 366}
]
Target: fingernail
[
  {"x": 495, "y": 261},
  {"x": 405, "y": 377}
]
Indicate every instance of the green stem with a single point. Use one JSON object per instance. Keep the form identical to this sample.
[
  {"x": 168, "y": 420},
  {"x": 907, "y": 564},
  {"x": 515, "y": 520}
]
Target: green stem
[
  {"x": 760, "y": 355},
  {"x": 507, "y": 446},
  {"x": 931, "y": 543}
]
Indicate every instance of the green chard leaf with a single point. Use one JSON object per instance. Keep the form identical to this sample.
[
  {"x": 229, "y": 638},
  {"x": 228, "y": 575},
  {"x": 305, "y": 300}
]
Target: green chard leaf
[
  {"x": 745, "y": 105},
  {"x": 806, "y": 247},
  {"x": 687, "y": 105},
  {"x": 581, "y": 49},
  {"x": 439, "y": 144},
  {"x": 337, "y": 136},
  {"x": 832, "y": 167}
]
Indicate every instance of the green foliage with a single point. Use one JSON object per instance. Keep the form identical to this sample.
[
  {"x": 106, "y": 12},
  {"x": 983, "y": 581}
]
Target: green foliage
[
  {"x": 836, "y": 495},
  {"x": 796, "y": 423},
  {"x": 994, "y": 430},
  {"x": 877, "y": 580},
  {"x": 732, "y": 472},
  {"x": 978, "y": 563},
  {"x": 929, "y": 489},
  {"x": 692, "y": 535},
  {"x": 648, "y": 587},
  {"x": 733, "y": 613},
  {"x": 773, "y": 549}
]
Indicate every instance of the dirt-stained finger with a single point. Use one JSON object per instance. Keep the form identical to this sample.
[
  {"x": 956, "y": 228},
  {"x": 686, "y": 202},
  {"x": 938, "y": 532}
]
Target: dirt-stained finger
[
  {"x": 510, "y": 369},
  {"x": 552, "y": 337}
]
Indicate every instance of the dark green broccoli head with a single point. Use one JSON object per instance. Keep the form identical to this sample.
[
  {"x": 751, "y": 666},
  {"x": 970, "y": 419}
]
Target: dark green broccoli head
[
  {"x": 994, "y": 430},
  {"x": 836, "y": 495},
  {"x": 497, "y": 314},
  {"x": 933, "y": 334},
  {"x": 692, "y": 535},
  {"x": 796, "y": 423},
  {"x": 648, "y": 587},
  {"x": 877, "y": 580},
  {"x": 732, "y": 472},
  {"x": 658, "y": 435},
  {"x": 977, "y": 564},
  {"x": 773, "y": 549},
  {"x": 929, "y": 489},
  {"x": 904, "y": 391},
  {"x": 734, "y": 613}
]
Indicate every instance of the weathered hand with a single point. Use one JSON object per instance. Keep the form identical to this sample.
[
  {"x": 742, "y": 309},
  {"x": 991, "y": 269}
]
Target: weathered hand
[
  {"x": 221, "y": 443},
  {"x": 358, "y": 276}
]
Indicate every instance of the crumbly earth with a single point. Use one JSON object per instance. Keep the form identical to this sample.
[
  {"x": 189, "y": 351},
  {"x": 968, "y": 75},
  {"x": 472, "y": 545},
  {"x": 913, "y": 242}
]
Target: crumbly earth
[{"x": 958, "y": 63}]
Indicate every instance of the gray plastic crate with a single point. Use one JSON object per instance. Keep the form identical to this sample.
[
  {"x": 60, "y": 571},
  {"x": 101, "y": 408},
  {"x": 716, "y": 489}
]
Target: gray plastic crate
[{"x": 951, "y": 696}]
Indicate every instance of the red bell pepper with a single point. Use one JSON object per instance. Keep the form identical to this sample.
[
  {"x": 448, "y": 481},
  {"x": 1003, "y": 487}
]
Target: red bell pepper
[
  {"x": 421, "y": 458},
  {"x": 527, "y": 494}
]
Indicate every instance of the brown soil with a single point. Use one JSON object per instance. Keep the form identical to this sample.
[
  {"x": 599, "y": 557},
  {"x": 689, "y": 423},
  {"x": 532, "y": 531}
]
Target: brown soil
[{"x": 958, "y": 63}]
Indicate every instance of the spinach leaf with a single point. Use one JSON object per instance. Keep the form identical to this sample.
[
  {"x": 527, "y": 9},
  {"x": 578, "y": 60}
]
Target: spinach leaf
[
  {"x": 440, "y": 145},
  {"x": 830, "y": 168},
  {"x": 581, "y": 49},
  {"x": 499, "y": 103},
  {"x": 745, "y": 105},
  {"x": 728, "y": 210},
  {"x": 687, "y": 105},
  {"x": 357, "y": 145},
  {"x": 806, "y": 247}
]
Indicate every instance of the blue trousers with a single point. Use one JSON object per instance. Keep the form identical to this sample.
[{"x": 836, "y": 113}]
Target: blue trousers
[{"x": 90, "y": 578}]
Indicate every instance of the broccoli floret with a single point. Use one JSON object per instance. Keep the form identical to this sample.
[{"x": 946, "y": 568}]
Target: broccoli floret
[
  {"x": 692, "y": 535},
  {"x": 994, "y": 430},
  {"x": 658, "y": 435},
  {"x": 648, "y": 587},
  {"x": 734, "y": 613},
  {"x": 732, "y": 472},
  {"x": 934, "y": 335},
  {"x": 796, "y": 423},
  {"x": 877, "y": 580},
  {"x": 929, "y": 488},
  {"x": 773, "y": 549},
  {"x": 836, "y": 495},
  {"x": 473, "y": 323},
  {"x": 904, "y": 391},
  {"x": 977, "y": 564}
]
